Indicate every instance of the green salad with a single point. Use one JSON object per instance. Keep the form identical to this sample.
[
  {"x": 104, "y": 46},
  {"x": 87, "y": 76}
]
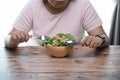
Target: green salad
[{"x": 58, "y": 40}]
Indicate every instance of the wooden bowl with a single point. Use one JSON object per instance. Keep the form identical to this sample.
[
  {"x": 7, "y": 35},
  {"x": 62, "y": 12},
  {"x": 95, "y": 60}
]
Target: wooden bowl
[{"x": 60, "y": 51}]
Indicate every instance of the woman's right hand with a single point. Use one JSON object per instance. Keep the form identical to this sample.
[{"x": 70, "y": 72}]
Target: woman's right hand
[
  {"x": 19, "y": 36},
  {"x": 15, "y": 37}
]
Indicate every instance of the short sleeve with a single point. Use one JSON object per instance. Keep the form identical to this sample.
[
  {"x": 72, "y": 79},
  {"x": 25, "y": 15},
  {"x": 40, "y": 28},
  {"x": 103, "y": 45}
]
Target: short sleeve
[
  {"x": 24, "y": 20},
  {"x": 90, "y": 19}
]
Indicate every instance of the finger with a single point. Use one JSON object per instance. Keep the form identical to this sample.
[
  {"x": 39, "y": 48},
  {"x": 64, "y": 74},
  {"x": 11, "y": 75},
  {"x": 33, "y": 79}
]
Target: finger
[
  {"x": 27, "y": 37},
  {"x": 92, "y": 44},
  {"x": 23, "y": 37},
  {"x": 84, "y": 40},
  {"x": 19, "y": 37},
  {"x": 14, "y": 38},
  {"x": 89, "y": 40}
]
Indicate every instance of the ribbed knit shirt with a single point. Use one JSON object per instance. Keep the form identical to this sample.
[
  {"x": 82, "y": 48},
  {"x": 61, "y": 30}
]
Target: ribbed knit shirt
[{"x": 78, "y": 17}]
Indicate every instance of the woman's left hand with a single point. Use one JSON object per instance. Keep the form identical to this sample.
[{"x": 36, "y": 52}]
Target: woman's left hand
[{"x": 91, "y": 41}]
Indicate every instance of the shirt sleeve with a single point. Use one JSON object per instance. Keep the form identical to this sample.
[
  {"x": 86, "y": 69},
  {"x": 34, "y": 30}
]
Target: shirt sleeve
[
  {"x": 90, "y": 19},
  {"x": 24, "y": 20}
]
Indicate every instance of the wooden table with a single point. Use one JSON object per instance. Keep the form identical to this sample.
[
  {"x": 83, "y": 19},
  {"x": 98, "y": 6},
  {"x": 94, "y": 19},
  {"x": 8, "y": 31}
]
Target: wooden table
[{"x": 35, "y": 63}]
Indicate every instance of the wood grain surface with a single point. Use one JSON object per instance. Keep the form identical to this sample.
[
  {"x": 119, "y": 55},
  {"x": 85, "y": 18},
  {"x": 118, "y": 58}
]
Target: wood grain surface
[{"x": 83, "y": 63}]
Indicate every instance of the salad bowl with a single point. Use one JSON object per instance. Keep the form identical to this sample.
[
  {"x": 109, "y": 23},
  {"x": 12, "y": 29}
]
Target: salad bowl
[
  {"x": 56, "y": 45},
  {"x": 59, "y": 51}
]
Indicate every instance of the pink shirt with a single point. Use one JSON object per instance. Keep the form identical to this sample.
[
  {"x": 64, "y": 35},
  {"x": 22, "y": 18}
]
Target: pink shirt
[{"x": 78, "y": 17}]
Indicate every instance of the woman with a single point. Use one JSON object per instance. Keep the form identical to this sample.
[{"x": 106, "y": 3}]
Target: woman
[{"x": 48, "y": 17}]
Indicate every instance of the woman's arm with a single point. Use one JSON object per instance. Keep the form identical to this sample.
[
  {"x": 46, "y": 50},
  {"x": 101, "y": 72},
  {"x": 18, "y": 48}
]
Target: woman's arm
[{"x": 96, "y": 38}]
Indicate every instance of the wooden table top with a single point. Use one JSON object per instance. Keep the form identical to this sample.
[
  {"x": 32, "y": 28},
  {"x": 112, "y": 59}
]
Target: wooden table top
[{"x": 35, "y": 63}]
